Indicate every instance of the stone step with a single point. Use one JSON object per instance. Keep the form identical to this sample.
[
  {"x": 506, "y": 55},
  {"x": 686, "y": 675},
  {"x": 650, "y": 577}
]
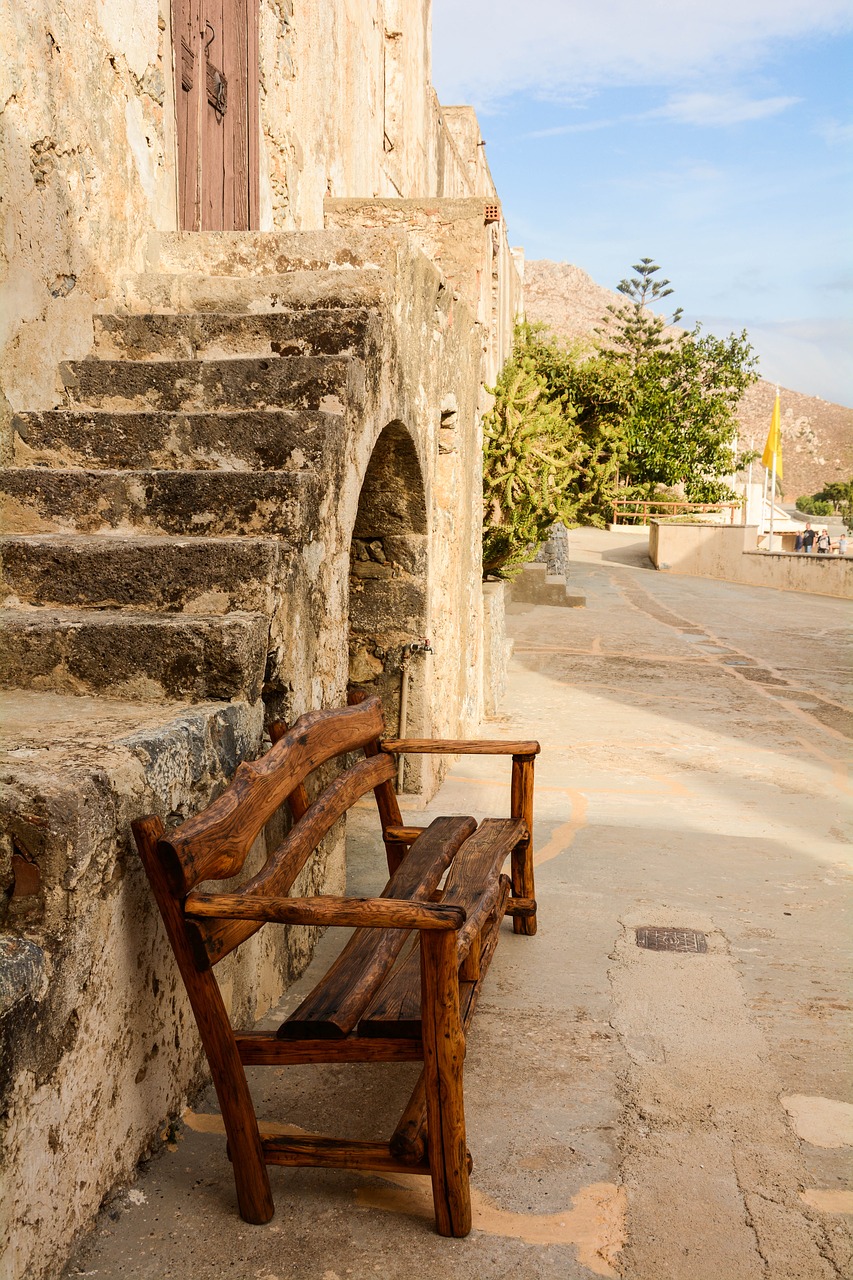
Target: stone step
[
  {"x": 213, "y": 335},
  {"x": 211, "y": 576},
  {"x": 279, "y": 382},
  {"x": 251, "y": 440},
  {"x": 138, "y": 656},
  {"x": 198, "y": 291},
  {"x": 261, "y": 253},
  {"x": 184, "y": 503},
  {"x": 535, "y": 585}
]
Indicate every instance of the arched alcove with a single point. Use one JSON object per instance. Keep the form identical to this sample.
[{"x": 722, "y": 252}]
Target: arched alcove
[{"x": 388, "y": 587}]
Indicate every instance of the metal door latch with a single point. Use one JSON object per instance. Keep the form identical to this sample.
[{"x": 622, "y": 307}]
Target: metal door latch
[
  {"x": 217, "y": 83},
  {"x": 217, "y": 90}
]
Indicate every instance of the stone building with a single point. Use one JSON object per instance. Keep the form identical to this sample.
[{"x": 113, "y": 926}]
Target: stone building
[{"x": 255, "y": 280}]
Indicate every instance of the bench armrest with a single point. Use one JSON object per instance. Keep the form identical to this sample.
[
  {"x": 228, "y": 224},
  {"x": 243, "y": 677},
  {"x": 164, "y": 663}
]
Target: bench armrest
[
  {"x": 459, "y": 747},
  {"x": 364, "y": 913}
]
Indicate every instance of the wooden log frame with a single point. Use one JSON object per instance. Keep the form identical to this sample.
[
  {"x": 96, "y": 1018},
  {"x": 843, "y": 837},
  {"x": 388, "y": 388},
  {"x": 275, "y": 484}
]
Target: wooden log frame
[
  {"x": 523, "y": 908},
  {"x": 405, "y": 986}
]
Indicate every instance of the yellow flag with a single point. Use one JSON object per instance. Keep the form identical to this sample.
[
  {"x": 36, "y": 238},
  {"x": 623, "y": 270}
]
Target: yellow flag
[{"x": 774, "y": 441}]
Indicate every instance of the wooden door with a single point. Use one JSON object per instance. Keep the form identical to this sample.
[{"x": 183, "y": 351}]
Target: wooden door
[{"x": 216, "y": 74}]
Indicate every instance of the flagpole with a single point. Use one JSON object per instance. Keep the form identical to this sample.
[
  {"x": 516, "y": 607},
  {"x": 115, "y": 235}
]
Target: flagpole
[
  {"x": 772, "y": 499},
  {"x": 764, "y": 501}
]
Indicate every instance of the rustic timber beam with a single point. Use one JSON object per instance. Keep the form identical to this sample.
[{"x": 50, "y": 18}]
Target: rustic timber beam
[
  {"x": 364, "y": 913},
  {"x": 459, "y": 747}
]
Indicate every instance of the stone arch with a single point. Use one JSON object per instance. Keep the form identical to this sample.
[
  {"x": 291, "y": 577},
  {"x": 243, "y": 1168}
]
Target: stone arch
[{"x": 388, "y": 587}]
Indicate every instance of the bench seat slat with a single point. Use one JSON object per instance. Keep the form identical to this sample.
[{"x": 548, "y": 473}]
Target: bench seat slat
[
  {"x": 335, "y": 1005},
  {"x": 472, "y": 883}
]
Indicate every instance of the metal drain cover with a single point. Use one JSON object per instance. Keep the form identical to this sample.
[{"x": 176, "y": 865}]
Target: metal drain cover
[{"x": 656, "y": 938}]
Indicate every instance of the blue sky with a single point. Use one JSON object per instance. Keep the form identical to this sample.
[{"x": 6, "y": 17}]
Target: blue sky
[{"x": 716, "y": 139}]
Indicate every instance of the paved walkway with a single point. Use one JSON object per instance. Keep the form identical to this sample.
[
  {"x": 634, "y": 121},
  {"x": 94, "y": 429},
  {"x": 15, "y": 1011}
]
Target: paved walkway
[{"x": 655, "y": 1116}]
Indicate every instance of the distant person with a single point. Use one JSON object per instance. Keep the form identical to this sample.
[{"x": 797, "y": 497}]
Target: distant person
[
  {"x": 798, "y": 542},
  {"x": 809, "y": 536},
  {"x": 842, "y": 545},
  {"x": 823, "y": 543}
]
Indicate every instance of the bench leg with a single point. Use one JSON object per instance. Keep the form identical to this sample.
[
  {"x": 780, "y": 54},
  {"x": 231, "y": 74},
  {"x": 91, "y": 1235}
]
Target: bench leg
[
  {"x": 254, "y": 1196},
  {"x": 444, "y": 1052},
  {"x": 522, "y": 854}
]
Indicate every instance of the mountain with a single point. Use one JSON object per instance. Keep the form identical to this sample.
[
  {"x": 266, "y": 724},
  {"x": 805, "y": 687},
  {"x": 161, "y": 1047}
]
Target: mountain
[{"x": 817, "y": 436}]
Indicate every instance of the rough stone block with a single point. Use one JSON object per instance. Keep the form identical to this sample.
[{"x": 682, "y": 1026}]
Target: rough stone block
[
  {"x": 288, "y": 382},
  {"x": 251, "y": 440},
  {"x": 192, "y": 503},
  {"x": 195, "y": 575},
  {"x": 141, "y": 657},
  {"x": 258, "y": 294},
  {"x": 535, "y": 585},
  {"x": 329, "y": 331},
  {"x": 262, "y": 253},
  {"x": 94, "y": 1057}
]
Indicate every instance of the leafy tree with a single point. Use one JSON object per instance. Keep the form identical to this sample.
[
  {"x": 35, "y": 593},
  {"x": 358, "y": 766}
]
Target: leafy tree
[
  {"x": 680, "y": 424},
  {"x": 835, "y": 498},
  {"x": 647, "y": 406},
  {"x": 815, "y": 506},
  {"x": 838, "y": 492}
]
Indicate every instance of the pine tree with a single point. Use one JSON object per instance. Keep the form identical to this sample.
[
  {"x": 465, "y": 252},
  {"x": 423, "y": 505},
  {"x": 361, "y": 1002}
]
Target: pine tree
[{"x": 632, "y": 330}]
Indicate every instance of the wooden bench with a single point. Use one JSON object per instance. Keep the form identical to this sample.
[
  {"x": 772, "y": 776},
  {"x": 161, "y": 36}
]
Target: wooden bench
[{"x": 406, "y": 983}]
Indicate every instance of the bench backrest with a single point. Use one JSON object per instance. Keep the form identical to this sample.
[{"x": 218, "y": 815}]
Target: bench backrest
[{"x": 214, "y": 844}]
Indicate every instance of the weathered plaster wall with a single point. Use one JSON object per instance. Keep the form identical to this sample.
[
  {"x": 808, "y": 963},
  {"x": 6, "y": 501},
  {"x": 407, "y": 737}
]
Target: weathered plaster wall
[
  {"x": 473, "y": 255},
  {"x": 89, "y": 163},
  {"x": 86, "y": 169},
  {"x": 496, "y": 648},
  {"x": 463, "y": 128},
  {"x": 730, "y": 553},
  {"x": 99, "y": 1047},
  {"x": 101, "y": 1050},
  {"x": 348, "y": 109}
]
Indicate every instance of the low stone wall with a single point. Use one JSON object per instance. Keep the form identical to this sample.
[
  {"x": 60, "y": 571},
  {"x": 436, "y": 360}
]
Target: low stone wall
[
  {"x": 795, "y": 571},
  {"x": 730, "y": 553},
  {"x": 496, "y": 647},
  {"x": 97, "y": 1041}
]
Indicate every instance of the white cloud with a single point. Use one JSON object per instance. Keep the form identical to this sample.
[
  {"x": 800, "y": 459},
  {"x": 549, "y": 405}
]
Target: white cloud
[
  {"x": 590, "y": 126},
  {"x": 719, "y": 108},
  {"x": 705, "y": 109},
  {"x": 485, "y": 50},
  {"x": 811, "y": 356},
  {"x": 836, "y": 133}
]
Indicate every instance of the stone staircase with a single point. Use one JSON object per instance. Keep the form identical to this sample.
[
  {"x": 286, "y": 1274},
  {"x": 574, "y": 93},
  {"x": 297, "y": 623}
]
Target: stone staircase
[{"x": 148, "y": 522}]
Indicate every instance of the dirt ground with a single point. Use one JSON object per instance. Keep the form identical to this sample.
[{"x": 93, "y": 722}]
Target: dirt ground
[{"x": 654, "y": 1115}]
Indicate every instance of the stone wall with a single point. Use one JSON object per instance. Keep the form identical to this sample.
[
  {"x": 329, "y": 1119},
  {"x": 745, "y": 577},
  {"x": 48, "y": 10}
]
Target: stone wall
[
  {"x": 376, "y": 206},
  {"x": 88, "y": 150},
  {"x": 497, "y": 650},
  {"x": 730, "y": 553},
  {"x": 101, "y": 1051}
]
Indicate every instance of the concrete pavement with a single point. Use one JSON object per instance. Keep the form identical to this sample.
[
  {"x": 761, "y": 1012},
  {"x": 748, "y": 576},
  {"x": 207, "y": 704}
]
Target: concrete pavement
[{"x": 645, "y": 1114}]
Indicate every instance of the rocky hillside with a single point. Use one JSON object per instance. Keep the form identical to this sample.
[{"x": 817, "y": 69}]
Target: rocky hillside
[{"x": 817, "y": 435}]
